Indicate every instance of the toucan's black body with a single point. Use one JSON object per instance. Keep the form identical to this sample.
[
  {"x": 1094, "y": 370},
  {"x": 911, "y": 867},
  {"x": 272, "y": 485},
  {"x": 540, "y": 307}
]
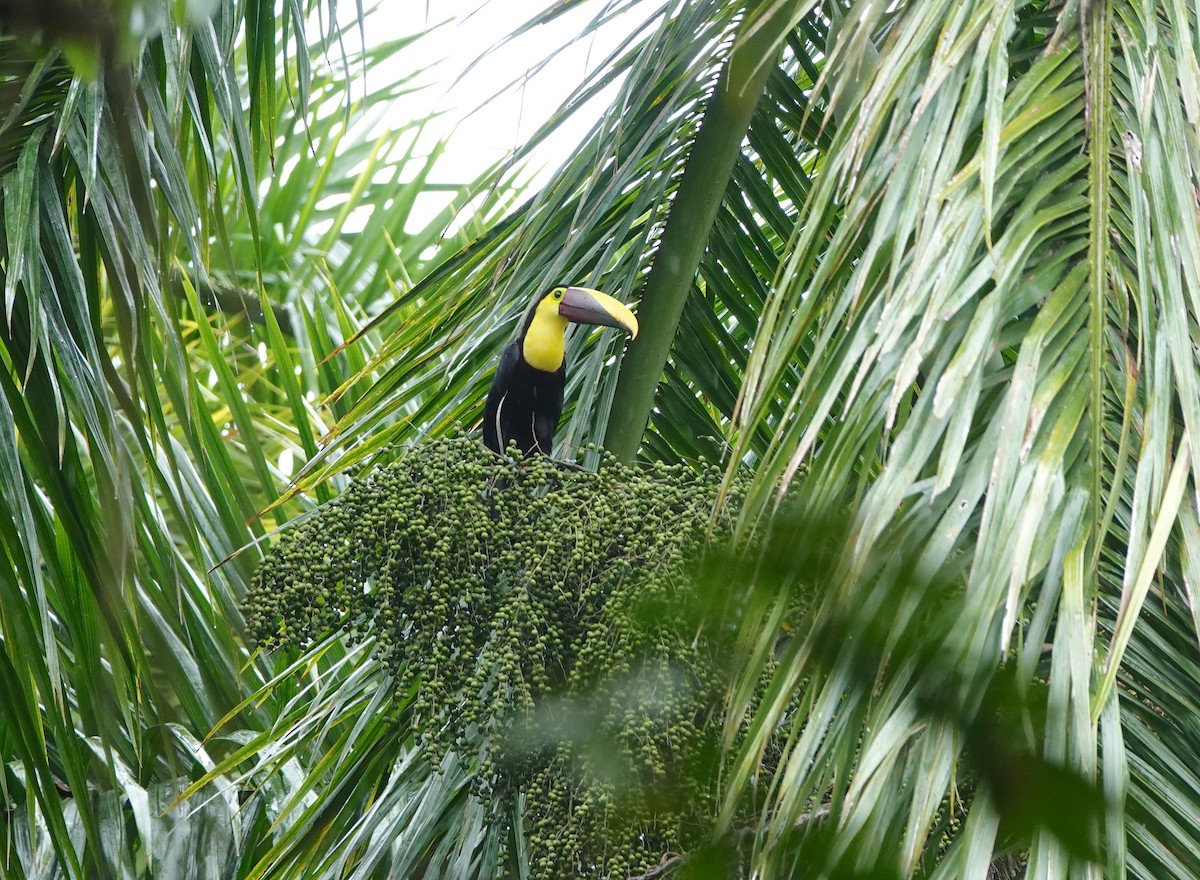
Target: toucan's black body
[
  {"x": 526, "y": 399},
  {"x": 523, "y": 404}
]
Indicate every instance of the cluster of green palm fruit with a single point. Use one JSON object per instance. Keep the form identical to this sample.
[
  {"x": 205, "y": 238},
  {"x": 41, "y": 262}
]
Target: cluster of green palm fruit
[{"x": 543, "y": 617}]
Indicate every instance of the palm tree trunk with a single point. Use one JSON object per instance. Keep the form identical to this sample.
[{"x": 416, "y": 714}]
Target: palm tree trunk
[{"x": 701, "y": 190}]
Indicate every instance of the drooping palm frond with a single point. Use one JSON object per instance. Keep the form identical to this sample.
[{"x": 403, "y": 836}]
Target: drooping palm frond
[
  {"x": 95, "y": 561},
  {"x": 997, "y": 345},
  {"x": 161, "y": 356}
]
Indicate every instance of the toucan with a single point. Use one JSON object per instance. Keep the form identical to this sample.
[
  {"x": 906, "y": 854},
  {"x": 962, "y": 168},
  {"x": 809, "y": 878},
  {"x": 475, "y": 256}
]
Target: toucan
[{"x": 526, "y": 397}]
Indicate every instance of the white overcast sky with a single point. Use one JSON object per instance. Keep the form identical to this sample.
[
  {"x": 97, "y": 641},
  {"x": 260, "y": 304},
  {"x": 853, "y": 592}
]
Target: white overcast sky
[{"x": 482, "y": 128}]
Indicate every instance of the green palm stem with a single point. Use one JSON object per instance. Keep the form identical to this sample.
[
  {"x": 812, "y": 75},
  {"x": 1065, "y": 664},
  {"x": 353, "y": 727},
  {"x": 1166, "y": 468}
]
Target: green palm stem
[{"x": 701, "y": 190}]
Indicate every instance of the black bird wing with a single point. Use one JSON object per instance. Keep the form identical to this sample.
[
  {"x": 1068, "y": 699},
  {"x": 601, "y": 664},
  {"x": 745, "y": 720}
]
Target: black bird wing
[
  {"x": 547, "y": 409},
  {"x": 523, "y": 404},
  {"x": 493, "y": 411}
]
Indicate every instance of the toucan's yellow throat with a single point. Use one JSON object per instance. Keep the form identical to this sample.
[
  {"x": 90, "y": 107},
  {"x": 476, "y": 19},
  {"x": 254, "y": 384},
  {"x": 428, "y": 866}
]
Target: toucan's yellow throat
[{"x": 543, "y": 345}]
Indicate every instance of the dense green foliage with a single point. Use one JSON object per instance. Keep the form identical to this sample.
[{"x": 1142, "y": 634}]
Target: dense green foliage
[
  {"x": 953, "y": 278},
  {"x": 173, "y": 306},
  {"x": 542, "y": 616}
]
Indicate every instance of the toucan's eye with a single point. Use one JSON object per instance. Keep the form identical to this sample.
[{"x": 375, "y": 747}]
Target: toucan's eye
[{"x": 558, "y": 293}]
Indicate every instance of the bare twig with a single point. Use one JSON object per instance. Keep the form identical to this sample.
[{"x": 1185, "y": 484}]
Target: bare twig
[{"x": 669, "y": 862}]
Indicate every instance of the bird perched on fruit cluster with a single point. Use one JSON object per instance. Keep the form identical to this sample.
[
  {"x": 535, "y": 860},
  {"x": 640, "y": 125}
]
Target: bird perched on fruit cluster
[{"x": 526, "y": 397}]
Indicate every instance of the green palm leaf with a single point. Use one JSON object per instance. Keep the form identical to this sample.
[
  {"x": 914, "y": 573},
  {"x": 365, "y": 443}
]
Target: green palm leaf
[
  {"x": 947, "y": 308},
  {"x": 162, "y": 361},
  {"x": 990, "y": 348}
]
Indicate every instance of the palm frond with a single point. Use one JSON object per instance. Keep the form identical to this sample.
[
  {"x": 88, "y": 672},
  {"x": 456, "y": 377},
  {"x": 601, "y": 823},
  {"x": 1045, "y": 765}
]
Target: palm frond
[
  {"x": 990, "y": 350},
  {"x": 161, "y": 364}
]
